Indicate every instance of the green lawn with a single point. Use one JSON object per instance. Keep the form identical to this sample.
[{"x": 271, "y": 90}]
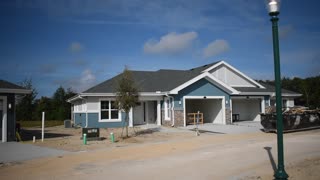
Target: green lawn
[{"x": 48, "y": 123}]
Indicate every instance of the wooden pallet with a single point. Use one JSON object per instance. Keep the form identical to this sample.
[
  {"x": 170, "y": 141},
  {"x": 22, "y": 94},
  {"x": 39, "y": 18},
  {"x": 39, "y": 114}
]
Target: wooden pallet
[{"x": 192, "y": 118}]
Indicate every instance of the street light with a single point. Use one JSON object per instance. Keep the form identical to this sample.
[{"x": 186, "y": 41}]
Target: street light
[{"x": 273, "y": 8}]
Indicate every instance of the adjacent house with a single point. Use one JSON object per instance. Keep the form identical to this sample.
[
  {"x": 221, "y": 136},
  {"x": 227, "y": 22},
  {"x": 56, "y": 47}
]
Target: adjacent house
[
  {"x": 8, "y": 91},
  {"x": 219, "y": 91}
]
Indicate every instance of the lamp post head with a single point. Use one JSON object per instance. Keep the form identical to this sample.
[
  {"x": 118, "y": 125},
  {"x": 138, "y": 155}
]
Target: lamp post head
[{"x": 273, "y": 7}]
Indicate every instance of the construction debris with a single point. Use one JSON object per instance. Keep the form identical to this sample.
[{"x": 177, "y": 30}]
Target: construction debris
[{"x": 297, "y": 118}]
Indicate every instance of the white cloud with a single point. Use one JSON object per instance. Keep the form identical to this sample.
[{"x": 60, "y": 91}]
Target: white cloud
[
  {"x": 215, "y": 47},
  {"x": 86, "y": 80},
  {"x": 171, "y": 43},
  {"x": 76, "y": 47},
  {"x": 87, "y": 77}
]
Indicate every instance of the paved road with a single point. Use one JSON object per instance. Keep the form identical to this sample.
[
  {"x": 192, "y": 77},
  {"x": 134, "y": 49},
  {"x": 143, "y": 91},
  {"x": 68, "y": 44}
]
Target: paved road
[
  {"x": 16, "y": 152},
  {"x": 231, "y": 156}
]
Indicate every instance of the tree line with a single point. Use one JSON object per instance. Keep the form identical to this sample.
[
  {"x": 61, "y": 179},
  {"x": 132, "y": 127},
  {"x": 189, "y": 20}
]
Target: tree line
[
  {"x": 308, "y": 87},
  {"x": 28, "y": 107}
]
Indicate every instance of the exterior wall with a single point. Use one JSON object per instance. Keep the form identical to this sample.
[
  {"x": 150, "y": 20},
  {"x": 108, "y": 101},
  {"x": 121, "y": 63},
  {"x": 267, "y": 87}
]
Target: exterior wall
[
  {"x": 91, "y": 108},
  {"x": 230, "y": 77},
  {"x": 93, "y": 120},
  {"x": 200, "y": 88},
  {"x": 11, "y": 118}
]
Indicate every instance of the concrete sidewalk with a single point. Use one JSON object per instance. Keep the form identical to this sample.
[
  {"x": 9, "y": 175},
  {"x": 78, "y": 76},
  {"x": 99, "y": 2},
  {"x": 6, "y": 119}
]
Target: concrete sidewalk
[
  {"x": 235, "y": 128},
  {"x": 15, "y": 152}
]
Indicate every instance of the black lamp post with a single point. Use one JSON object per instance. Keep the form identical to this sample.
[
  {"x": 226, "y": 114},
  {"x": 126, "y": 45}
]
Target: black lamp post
[{"x": 273, "y": 8}]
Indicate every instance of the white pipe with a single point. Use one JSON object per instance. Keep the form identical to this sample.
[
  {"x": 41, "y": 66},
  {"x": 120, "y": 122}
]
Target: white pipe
[{"x": 42, "y": 133}]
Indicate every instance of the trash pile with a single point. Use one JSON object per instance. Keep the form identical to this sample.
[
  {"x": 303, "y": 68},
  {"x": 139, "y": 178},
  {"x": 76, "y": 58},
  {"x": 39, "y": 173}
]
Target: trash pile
[{"x": 296, "y": 118}]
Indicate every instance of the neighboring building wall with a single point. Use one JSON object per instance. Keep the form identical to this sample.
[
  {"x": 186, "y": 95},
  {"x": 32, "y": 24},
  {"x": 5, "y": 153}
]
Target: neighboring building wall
[{"x": 11, "y": 119}]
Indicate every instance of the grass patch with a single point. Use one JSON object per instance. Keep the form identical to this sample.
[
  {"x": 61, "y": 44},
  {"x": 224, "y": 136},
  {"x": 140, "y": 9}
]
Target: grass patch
[{"x": 48, "y": 123}]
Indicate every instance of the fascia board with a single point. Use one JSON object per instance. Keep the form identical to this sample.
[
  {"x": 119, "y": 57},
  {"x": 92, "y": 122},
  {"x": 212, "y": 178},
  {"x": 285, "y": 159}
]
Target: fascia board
[{"x": 15, "y": 91}]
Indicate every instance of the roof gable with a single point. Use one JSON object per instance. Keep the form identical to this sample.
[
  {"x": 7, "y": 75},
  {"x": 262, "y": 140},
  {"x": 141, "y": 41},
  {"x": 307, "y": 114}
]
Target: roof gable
[{"x": 231, "y": 76}]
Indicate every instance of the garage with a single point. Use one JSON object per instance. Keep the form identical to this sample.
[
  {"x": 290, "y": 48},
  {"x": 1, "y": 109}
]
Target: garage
[
  {"x": 246, "y": 109},
  {"x": 211, "y": 107}
]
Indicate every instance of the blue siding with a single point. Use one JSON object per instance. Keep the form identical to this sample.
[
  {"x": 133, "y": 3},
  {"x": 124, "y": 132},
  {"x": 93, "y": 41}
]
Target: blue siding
[
  {"x": 200, "y": 88},
  {"x": 93, "y": 121},
  {"x": 80, "y": 119}
]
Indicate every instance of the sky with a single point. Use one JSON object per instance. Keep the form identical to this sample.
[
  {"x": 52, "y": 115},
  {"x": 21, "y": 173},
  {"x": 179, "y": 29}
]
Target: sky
[{"x": 80, "y": 43}]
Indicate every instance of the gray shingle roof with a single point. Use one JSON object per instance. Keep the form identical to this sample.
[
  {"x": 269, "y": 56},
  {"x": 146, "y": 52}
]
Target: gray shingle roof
[
  {"x": 8, "y": 85},
  {"x": 268, "y": 89},
  {"x": 152, "y": 81},
  {"x": 165, "y": 80}
]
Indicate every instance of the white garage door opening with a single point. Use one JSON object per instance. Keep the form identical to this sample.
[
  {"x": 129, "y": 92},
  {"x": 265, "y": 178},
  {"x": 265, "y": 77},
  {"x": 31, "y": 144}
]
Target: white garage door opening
[
  {"x": 246, "y": 109},
  {"x": 212, "y": 108}
]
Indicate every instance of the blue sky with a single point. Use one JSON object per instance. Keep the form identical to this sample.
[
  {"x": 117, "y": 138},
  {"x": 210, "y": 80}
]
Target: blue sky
[{"x": 79, "y": 43}]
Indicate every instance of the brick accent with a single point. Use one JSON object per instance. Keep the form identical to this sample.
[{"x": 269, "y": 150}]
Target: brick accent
[
  {"x": 178, "y": 116},
  {"x": 228, "y": 115}
]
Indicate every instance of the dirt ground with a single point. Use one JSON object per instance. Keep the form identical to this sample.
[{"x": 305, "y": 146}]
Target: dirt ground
[
  {"x": 174, "y": 155},
  {"x": 68, "y": 139}
]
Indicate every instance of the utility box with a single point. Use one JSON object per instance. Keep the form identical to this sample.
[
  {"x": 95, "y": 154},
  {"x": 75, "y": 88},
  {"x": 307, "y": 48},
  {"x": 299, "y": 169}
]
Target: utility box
[
  {"x": 67, "y": 123},
  {"x": 92, "y": 133}
]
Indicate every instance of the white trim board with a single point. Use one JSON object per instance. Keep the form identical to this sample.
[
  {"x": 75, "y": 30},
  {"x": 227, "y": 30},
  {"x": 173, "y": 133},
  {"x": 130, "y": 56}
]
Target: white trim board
[{"x": 15, "y": 91}]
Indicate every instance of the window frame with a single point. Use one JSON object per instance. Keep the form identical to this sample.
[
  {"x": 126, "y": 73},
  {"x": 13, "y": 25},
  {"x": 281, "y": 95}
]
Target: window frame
[
  {"x": 167, "y": 109},
  {"x": 109, "y": 111}
]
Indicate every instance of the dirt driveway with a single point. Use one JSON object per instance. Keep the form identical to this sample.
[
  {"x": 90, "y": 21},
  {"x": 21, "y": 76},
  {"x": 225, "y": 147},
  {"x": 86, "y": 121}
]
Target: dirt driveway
[{"x": 231, "y": 156}]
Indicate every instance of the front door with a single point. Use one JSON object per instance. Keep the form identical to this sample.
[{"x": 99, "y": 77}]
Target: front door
[
  {"x": 138, "y": 114},
  {"x": 3, "y": 119}
]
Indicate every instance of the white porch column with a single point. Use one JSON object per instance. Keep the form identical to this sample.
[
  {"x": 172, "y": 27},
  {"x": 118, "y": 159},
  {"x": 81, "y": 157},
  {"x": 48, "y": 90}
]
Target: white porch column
[
  {"x": 158, "y": 113},
  {"x": 131, "y": 118},
  {"x": 263, "y": 105}
]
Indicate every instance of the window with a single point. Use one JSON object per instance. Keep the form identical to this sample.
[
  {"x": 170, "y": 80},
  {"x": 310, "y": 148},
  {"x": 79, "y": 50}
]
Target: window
[
  {"x": 167, "y": 109},
  {"x": 108, "y": 110}
]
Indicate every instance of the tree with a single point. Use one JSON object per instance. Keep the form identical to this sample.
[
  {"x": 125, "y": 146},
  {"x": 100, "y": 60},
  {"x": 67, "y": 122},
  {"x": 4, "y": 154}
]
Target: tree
[
  {"x": 25, "y": 103},
  {"x": 60, "y": 104},
  {"x": 127, "y": 95},
  {"x": 308, "y": 87},
  {"x": 44, "y": 104}
]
